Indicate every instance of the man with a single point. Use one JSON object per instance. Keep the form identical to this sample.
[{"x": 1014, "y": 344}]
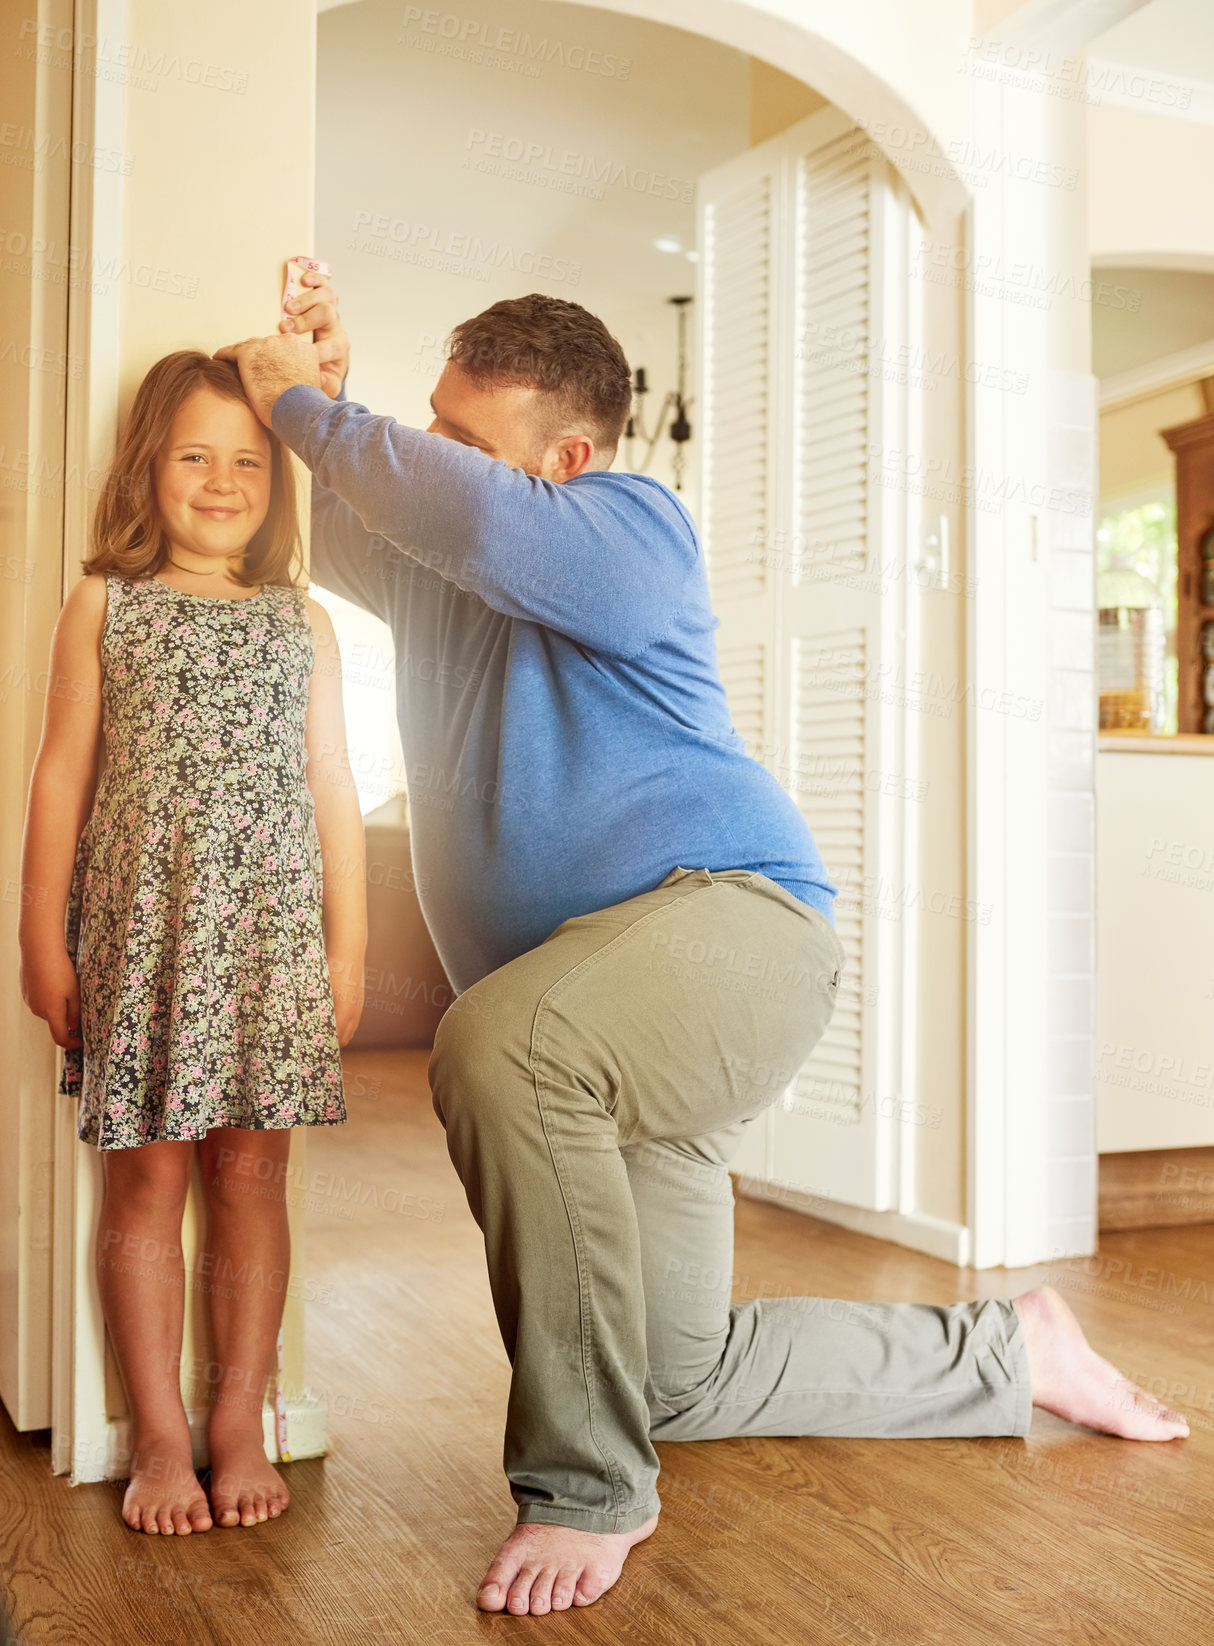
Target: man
[{"x": 639, "y": 929}]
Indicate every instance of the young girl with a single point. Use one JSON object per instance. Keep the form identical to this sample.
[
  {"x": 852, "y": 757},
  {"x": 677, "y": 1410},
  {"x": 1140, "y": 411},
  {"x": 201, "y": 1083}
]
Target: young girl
[{"x": 190, "y": 786}]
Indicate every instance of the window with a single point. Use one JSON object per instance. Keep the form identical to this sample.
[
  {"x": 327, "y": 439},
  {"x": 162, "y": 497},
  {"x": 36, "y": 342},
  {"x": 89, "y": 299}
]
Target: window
[{"x": 1138, "y": 535}]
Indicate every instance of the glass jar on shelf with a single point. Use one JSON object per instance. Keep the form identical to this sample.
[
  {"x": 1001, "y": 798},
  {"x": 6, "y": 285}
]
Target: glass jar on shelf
[{"x": 1130, "y": 649}]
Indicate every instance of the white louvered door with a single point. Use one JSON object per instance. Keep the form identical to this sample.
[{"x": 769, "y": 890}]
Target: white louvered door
[{"x": 803, "y": 303}]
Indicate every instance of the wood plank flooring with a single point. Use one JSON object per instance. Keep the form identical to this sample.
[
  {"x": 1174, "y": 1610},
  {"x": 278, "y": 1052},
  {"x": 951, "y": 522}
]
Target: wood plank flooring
[{"x": 1066, "y": 1537}]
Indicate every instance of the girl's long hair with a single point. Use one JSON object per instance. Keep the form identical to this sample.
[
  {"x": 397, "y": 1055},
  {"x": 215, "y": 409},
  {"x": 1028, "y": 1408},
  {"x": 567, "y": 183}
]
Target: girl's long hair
[{"x": 128, "y": 535}]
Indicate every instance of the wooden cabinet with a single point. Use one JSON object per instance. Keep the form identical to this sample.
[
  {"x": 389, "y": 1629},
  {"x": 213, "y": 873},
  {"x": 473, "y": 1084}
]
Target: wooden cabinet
[{"x": 1193, "y": 444}]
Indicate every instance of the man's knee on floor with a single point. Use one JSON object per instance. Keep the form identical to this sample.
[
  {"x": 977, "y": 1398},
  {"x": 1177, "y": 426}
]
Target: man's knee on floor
[{"x": 674, "y": 1386}]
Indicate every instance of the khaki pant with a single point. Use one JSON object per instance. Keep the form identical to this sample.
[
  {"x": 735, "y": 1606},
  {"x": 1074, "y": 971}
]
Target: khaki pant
[{"x": 593, "y": 1091}]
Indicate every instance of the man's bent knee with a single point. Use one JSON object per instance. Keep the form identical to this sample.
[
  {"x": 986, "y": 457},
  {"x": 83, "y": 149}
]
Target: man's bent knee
[{"x": 478, "y": 1052}]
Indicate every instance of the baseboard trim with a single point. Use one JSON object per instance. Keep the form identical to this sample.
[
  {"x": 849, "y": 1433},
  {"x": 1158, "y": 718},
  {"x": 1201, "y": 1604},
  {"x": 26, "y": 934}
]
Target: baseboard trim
[
  {"x": 937, "y": 1236},
  {"x": 305, "y": 1438}
]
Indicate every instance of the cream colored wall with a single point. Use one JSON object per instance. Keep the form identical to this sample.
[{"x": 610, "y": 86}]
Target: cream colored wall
[
  {"x": 907, "y": 66},
  {"x": 219, "y": 193},
  {"x": 777, "y": 101},
  {"x": 885, "y": 60},
  {"x": 1147, "y": 186},
  {"x": 1154, "y": 888},
  {"x": 1154, "y": 880},
  {"x": 1132, "y": 455}
]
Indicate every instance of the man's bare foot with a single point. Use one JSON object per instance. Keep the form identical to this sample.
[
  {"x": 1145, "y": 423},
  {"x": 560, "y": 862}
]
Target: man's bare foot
[
  {"x": 164, "y": 1495},
  {"x": 549, "y": 1568},
  {"x": 245, "y": 1487},
  {"x": 1068, "y": 1377}
]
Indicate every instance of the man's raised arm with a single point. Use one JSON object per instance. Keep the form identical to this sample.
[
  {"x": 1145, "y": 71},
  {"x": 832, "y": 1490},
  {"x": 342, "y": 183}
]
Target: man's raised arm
[{"x": 602, "y": 558}]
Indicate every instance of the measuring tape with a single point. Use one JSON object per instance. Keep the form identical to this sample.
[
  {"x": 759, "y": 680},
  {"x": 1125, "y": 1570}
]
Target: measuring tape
[{"x": 280, "y": 1407}]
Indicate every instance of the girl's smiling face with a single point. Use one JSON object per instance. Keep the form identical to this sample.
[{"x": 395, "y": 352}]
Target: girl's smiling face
[{"x": 213, "y": 479}]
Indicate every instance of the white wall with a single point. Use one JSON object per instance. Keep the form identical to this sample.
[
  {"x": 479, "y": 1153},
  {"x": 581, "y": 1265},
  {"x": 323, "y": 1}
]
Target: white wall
[
  {"x": 1155, "y": 897},
  {"x": 1146, "y": 189}
]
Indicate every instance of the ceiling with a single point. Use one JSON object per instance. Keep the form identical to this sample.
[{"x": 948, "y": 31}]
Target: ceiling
[
  {"x": 1175, "y": 312},
  {"x": 1172, "y": 37}
]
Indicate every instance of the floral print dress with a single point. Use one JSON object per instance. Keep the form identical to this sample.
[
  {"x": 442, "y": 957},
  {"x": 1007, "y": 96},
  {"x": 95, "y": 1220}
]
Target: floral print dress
[{"x": 194, "y": 918}]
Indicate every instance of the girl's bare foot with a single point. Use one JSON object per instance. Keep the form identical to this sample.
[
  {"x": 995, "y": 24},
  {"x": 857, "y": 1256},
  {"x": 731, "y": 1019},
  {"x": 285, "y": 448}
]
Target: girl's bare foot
[
  {"x": 164, "y": 1495},
  {"x": 1068, "y": 1377},
  {"x": 549, "y": 1568},
  {"x": 245, "y": 1487}
]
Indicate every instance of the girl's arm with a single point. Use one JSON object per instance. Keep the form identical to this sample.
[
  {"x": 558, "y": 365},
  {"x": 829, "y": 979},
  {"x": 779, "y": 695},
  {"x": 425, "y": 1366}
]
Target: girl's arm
[
  {"x": 61, "y": 792},
  {"x": 340, "y": 827}
]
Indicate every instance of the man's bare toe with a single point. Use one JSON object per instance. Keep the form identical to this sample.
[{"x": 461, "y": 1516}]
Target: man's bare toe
[
  {"x": 562, "y": 1589},
  {"x": 541, "y": 1590},
  {"x": 590, "y": 1587},
  {"x": 518, "y": 1600}
]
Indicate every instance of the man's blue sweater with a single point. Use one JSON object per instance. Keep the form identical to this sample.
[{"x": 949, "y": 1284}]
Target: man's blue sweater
[{"x": 566, "y": 735}]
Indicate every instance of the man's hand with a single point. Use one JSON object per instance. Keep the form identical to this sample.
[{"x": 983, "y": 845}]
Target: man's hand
[
  {"x": 315, "y": 310},
  {"x": 271, "y": 365}
]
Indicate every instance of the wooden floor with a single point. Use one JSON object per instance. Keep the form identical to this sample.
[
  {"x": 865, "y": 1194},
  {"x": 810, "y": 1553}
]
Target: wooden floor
[{"x": 1068, "y": 1536}]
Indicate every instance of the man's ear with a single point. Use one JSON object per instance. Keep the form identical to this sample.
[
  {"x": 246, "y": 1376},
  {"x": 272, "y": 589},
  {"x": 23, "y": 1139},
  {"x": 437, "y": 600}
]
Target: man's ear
[{"x": 573, "y": 456}]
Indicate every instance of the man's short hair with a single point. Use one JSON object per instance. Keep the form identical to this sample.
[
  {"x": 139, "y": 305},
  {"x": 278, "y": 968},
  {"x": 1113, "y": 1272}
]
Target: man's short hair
[{"x": 557, "y": 347}]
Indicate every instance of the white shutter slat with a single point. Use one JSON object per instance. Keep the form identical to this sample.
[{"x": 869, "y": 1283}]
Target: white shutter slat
[
  {"x": 744, "y": 676},
  {"x": 828, "y": 688},
  {"x": 736, "y": 299}
]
